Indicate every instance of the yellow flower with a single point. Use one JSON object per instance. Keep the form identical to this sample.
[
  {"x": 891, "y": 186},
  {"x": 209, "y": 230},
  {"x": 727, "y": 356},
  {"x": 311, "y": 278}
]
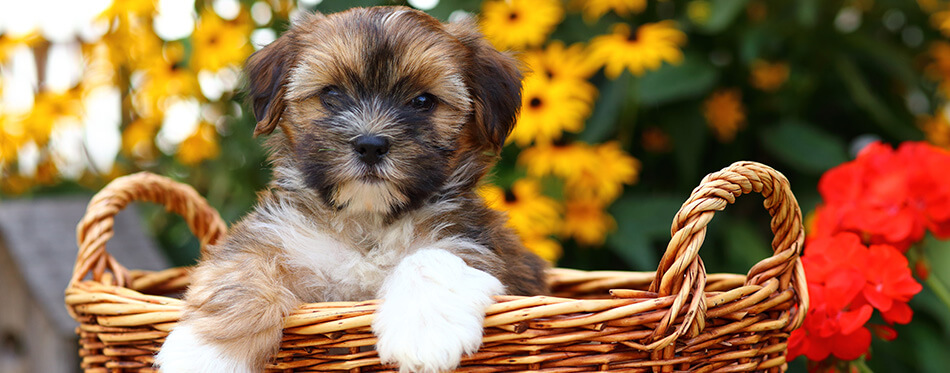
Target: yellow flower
[
  {"x": 132, "y": 41},
  {"x": 603, "y": 177},
  {"x": 724, "y": 113},
  {"x": 516, "y": 24},
  {"x": 127, "y": 8},
  {"x": 936, "y": 129},
  {"x": 138, "y": 138},
  {"x": 640, "y": 50},
  {"x": 163, "y": 80},
  {"x": 560, "y": 62},
  {"x": 530, "y": 213},
  {"x": 768, "y": 76},
  {"x": 218, "y": 43},
  {"x": 201, "y": 145},
  {"x": 594, "y": 9},
  {"x": 547, "y": 248},
  {"x": 939, "y": 67},
  {"x": 12, "y": 137},
  {"x": 698, "y": 11},
  {"x": 586, "y": 221},
  {"x": 48, "y": 108},
  {"x": 563, "y": 160},
  {"x": 550, "y": 107}
]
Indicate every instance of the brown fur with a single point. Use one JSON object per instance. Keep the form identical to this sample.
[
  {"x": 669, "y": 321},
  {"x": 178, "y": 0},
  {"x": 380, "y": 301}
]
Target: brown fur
[{"x": 380, "y": 58}]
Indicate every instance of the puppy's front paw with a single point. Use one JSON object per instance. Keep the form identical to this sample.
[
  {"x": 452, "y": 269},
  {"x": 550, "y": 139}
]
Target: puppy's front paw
[
  {"x": 432, "y": 312},
  {"x": 184, "y": 352}
]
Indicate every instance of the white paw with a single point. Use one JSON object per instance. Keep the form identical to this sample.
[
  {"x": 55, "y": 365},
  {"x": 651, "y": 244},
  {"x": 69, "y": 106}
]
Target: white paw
[
  {"x": 184, "y": 352},
  {"x": 432, "y": 312}
]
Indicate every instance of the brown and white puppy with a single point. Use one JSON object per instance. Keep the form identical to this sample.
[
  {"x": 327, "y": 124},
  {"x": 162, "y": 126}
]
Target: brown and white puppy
[{"x": 388, "y": 120}]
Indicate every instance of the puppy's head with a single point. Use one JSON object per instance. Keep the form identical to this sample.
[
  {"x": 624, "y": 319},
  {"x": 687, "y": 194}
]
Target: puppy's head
[{"x": 382, "y": 108}]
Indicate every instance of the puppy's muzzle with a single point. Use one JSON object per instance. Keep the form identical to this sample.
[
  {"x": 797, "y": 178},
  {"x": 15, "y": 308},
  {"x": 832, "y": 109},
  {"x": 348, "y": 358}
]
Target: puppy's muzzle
[{"x": 371, "y": 148}]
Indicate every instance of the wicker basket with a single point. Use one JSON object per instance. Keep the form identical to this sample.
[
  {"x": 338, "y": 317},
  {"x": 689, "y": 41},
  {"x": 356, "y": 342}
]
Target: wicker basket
[{"x": 679, "y": 320}]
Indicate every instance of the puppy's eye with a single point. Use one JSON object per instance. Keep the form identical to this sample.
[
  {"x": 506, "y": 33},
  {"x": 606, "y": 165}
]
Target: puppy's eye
[
  {"x": 331, "y": 97},
  {"x": 423, "y": 102}
]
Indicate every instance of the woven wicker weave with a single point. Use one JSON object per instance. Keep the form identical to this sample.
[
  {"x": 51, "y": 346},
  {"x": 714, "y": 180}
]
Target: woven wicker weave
[{"x": 679, "y": 320}]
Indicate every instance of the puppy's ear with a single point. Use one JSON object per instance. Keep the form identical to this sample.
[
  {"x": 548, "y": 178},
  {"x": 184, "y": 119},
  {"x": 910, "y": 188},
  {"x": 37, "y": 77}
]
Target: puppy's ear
[
  {"x": 494, "y": 79},
  {"x": 267, "y": 71}
]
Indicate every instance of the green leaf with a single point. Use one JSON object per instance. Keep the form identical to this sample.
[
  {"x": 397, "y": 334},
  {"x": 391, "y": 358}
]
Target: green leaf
[
  {"x": 602, "y": 123},
  {"x": 644, "y": 221},
  {"x": 745, "y": 245},
  {"x": 692, "y": 78},
  {"x": 722, "y": 14},
  {"x": 804, "y": 146},
  {"x": 865, "y": 98}
]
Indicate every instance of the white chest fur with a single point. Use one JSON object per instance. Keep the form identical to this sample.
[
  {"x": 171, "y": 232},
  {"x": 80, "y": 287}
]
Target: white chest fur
[{"x": 332, "y": 269}]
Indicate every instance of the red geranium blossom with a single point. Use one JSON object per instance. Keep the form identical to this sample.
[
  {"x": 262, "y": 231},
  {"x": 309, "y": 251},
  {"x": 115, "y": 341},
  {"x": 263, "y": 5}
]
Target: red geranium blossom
[
  {"x": 888, "y": 196},
  {"x": 846, "y": 282}
]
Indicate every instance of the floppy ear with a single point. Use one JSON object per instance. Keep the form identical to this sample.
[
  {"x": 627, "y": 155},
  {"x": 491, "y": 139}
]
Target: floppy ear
[
  {"x": 267, "y": 71},
  {"x": 494, "y": 81}
]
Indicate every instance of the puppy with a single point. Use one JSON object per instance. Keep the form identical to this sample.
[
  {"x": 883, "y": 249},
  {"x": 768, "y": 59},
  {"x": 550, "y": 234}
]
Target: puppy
[{"x": 387, "y": 119}]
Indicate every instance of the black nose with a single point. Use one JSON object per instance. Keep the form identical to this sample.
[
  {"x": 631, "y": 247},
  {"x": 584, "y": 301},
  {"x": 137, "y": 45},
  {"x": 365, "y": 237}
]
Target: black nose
[{"x": 371, "y": 148}]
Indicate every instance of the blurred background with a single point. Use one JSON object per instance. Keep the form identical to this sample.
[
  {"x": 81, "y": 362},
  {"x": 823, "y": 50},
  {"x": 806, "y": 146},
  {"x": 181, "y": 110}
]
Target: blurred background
[{"x": 627, "y": 105}]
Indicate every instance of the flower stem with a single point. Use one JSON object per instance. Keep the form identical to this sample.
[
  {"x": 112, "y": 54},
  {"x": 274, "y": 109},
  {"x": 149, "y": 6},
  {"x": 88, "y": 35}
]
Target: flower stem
[
  {"x": 939, "y": 289},
  {"x": 862, "y": 366}
]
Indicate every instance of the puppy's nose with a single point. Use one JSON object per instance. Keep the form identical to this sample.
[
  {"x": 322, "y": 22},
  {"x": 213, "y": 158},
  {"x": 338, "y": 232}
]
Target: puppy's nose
[{"x": 371, "y": 148}]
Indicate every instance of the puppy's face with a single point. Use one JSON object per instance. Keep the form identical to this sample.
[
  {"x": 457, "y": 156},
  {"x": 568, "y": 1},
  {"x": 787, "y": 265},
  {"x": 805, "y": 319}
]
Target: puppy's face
[{"x": 384, "y": 107}]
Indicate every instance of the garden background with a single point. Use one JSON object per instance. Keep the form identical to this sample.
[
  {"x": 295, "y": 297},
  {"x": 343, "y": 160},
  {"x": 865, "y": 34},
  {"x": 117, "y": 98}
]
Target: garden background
[{"x": 627, "y": 105}]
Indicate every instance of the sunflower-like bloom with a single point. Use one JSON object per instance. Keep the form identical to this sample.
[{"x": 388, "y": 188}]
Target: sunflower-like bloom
[
  {"x": 558, "y": 62},
  {"x": 586, "y": 221},
  {"x": 549, "y": 107},
  {"x": 724, "y": 113},
  {"x": 530, "y": 213},
  {"x": 547, "y": 248},
  {"x": 603, "y": 177},
  {"x": 162, "y": 80},
  {"x": 768, "y": 76},
  {"x": 219, "y": 43},
  {"x": 516, "y": 24},
  {"x": 564, "y": 160},
  {"x": 594, "y": 9},
  {"x": 138, "y": 138},
  {"x": 645, "y": 48},
  {"x": 201, "y": 145},
  {"x": 49, "y": 108}
]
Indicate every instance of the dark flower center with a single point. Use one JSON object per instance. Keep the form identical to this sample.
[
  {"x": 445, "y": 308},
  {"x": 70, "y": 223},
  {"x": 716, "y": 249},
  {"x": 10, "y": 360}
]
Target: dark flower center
[
  {"x": 535, "y": 102},
  {"x": 512, "y": 16},
  {"x": 510, "y": 196},
  {"x": 632, "y": 38}
]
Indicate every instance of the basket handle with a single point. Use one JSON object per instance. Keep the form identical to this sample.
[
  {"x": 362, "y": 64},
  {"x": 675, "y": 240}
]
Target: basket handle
[
  {"x": 681, "y": 271},
  {"x": 96, "y": 227}
]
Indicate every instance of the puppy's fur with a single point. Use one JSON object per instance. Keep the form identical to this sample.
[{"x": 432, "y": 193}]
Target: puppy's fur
[{"x": 405, "y": 226}]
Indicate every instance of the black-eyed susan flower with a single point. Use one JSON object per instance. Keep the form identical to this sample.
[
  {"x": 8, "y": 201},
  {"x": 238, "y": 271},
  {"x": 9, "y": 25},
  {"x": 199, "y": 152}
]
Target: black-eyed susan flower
[
  {"x": 725, "y": 113},
  {"x": 48, "y": 109},
  {"x": 603, "y": 178},
  {"x": 586, "y": 221},
  {"x": 530, "y": 213},
  {"x": 645, "y": 48},
  {"x": 558, "y": 62},
  {"x": 564, "y": 160},
  {"x": 545, "y": 247},
  {"x": 517, "y": 24},
  {"x": 768, "y": 76},
  {"x": 219, "y": 43},
  {"x": 594, "y": 9},
  {"x": 550, "y": 107},
  {"x": 201, "y": 145},
  {"x": 138, "y": 138},
  {"x": 161, "y": 80}
]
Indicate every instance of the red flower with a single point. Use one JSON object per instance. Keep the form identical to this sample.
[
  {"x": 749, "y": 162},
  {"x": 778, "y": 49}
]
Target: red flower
[
  {"x": 846, "y": 282},
  {"x": 888, "y": 196}
]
